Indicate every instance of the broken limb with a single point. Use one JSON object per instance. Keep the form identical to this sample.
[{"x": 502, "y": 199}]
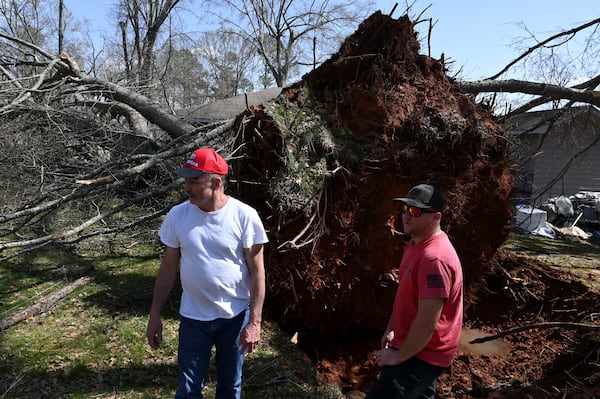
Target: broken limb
[
  {"x": 510, "y": 331},
  {"x": 44, "y": 305}
]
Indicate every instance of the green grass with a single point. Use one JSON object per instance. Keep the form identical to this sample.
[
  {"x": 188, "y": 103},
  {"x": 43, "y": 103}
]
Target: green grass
[
  {"x": 559, "y": 252},
  {"x": 579, "y": 257},
  {"x": 92, "y": 343}
]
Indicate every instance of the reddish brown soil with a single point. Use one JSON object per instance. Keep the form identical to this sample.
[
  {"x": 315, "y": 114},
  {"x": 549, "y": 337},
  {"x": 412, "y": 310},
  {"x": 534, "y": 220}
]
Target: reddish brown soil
[
  {"x": 535, "y": 363},
  {"x": 413, "y": 125},
  {"x": 539, "y": 363}
]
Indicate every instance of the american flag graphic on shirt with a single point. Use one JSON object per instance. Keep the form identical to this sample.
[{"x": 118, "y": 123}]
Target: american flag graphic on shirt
[{"x": 435, "y": 281}]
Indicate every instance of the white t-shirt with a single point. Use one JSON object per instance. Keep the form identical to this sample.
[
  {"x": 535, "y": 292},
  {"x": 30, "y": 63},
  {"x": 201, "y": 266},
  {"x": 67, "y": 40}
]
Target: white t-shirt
[{"x": 213, "y": 270}]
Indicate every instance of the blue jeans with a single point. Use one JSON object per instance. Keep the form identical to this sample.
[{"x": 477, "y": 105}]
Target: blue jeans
[
  {"x": 412, "y": 379},
  {"x": 196, "y": 339}
]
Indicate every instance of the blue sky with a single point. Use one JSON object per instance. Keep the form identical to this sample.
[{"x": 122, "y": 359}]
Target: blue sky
[{"x": 476, "y": 34}]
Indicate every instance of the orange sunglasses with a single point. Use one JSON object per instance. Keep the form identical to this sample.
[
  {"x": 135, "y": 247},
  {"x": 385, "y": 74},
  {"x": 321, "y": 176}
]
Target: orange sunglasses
[{"x": 414, "y": 211}]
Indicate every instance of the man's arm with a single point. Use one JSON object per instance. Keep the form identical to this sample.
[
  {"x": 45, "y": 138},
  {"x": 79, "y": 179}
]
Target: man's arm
[
  {"x": 162, "y": 287},
  {"x": 419, "y": 334},
  {"x": 250, "y": 336}
]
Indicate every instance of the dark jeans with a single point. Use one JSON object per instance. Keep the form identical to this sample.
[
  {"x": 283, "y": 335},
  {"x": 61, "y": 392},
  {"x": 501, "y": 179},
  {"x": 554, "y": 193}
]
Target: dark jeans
[
  {"x": 412, "y": 379},
  {"x": 196, "y": 339}
]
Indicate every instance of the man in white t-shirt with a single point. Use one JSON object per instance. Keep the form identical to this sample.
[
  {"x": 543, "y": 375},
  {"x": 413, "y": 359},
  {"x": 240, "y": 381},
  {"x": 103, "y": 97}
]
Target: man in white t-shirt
[{"x": 216, "y": 243}]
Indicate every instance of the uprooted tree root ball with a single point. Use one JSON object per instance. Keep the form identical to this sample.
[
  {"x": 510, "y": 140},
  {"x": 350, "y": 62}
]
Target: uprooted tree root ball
[
  {"x": 386, "y": 118},
  {"x": 322, "y": 163}
]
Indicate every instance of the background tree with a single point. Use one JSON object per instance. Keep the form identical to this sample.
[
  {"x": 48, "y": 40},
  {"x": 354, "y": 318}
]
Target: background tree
[
  {"x": 185, "y": 82},
  {"x": 288, "y": 34},
  {"x": 229, "y": 62},
  {"x": 27, "y": 20},
  {"x": 141, "y": 23}
]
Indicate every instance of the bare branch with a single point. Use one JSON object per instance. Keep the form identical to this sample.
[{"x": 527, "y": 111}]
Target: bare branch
[
  {"x": 514, "y": 330},
  {"x": 44, "y": 305},
  {"x": 532, "y": 49},
  {"x": 78, "y": 229},
  {"x": 588, "y": 85}
]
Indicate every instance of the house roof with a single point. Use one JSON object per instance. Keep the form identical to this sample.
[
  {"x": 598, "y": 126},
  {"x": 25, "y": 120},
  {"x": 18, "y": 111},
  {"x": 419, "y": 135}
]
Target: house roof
[
  {"x": 228, "y": 108},
  {"x": 538, "y": 122}
]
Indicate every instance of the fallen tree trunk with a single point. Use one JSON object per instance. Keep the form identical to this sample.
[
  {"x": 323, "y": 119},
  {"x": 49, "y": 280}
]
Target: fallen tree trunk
[{"x": 550, "y": 91}]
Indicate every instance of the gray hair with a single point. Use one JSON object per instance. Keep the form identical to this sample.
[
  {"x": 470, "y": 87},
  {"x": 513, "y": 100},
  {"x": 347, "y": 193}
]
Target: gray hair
[{"x": 211, "y": 176}]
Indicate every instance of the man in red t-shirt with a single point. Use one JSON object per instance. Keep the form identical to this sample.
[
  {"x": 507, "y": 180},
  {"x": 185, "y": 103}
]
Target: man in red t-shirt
[{"x": 422, "y": 335}]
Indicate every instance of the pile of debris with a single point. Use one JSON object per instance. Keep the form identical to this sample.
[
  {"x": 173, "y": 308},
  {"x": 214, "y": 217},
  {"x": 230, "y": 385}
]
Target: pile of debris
[{"x": 573, "y": 217}]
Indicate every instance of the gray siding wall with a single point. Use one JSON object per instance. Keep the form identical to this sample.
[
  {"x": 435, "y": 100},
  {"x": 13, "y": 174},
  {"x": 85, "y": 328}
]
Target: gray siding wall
[{"x": 569, "y": 160}]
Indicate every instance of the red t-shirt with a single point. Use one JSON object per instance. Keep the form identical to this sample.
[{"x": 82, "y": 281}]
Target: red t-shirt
[{"x": 430, "y": 269}]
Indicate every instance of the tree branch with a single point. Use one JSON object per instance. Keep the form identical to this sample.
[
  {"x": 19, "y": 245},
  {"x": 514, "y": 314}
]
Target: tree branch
[
  {"x": 543, "y": 43},
  {"x": 44, "y": 305},
  {"x": 510, "y": 331},
  {"x": 554, "y": 92}
]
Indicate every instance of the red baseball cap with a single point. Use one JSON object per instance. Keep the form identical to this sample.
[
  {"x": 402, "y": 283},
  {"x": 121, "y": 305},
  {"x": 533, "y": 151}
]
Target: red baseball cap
[{"x": 203, "y": 160}]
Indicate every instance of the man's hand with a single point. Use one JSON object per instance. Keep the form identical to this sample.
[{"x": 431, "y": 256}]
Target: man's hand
[
  {"x": 250, "y": 338},
  {"x": 154, "y": 332},
  {"x": 387, "y": 357}
]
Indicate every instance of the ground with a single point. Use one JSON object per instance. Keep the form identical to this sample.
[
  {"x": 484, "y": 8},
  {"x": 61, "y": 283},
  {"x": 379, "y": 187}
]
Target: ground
[
  {"x": 532, "y": 287},
  {"x": 362, "y": 128},
  {"x": 535, "y": 363}
]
